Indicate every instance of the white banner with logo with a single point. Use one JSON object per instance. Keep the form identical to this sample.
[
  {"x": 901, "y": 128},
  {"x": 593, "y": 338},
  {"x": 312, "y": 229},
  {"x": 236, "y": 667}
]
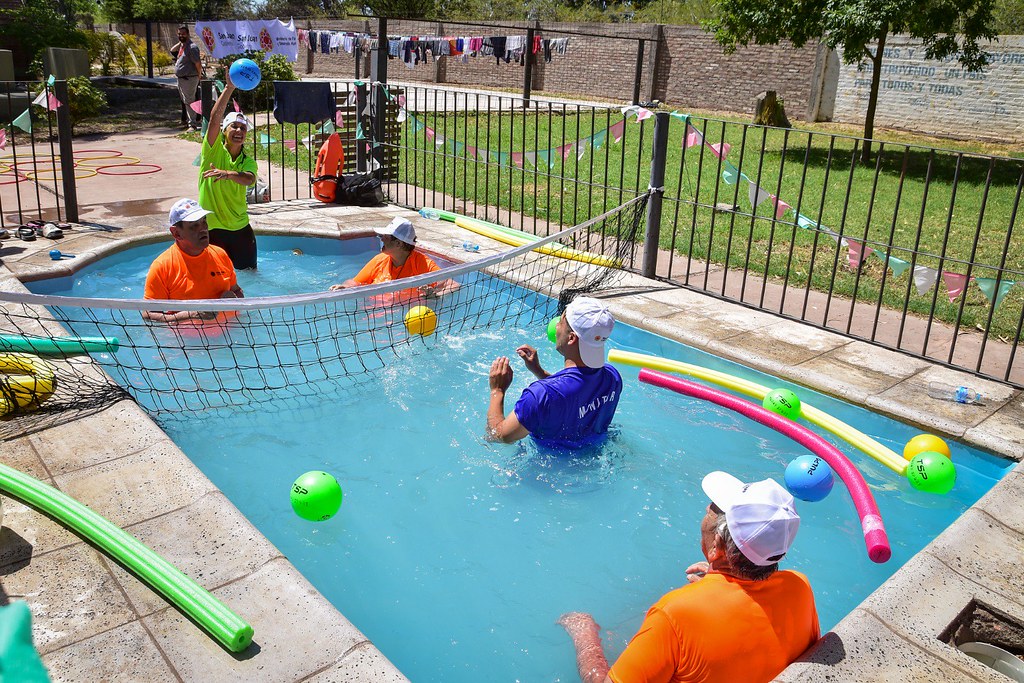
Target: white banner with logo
[{"x": 223, "y": 38}]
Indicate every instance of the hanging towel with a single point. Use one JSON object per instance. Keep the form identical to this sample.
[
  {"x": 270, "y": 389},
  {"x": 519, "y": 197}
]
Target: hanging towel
[{"x": 303, "y": 102}]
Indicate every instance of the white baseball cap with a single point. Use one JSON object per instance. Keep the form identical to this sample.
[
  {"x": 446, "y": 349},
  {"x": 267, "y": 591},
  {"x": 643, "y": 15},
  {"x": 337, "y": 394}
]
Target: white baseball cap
[
  {"x": 592, "y": 323},
  {"x": 186, "y": 210},
  {"x": 761, "y": 516},
  {"x": 233, "y": 116},
  {"x": 400, "y": 229}
]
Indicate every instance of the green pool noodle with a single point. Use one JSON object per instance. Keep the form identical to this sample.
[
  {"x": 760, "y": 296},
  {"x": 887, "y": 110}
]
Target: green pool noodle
[
  {"x": 58, "y": 346},
  {"x": 193, "y": 600}
]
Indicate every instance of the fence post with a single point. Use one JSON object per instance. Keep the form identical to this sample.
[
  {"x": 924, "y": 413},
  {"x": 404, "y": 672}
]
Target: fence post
[
  {"x": 309, "y": 51},
  {"x": 652, "y": 234},
  {"x": 67, "y": 153},
  {"x": 379, "y": 81},
  {"x": 149, "y": 48},
  {"x": 639, "y": 72},
  {"x": 206, "y": 96},
  {"x": 528, "y": 68}
]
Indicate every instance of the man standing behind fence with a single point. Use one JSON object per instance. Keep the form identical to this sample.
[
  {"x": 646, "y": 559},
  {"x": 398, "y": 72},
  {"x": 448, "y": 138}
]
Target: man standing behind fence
[{"x": 188, "y": 68}]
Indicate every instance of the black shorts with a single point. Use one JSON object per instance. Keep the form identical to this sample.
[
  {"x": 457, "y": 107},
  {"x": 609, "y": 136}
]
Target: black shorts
[{"x": 240, "y": 245}]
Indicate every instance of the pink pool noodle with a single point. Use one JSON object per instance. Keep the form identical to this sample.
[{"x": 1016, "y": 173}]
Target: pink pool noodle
[{"x": 870, "y": 519}]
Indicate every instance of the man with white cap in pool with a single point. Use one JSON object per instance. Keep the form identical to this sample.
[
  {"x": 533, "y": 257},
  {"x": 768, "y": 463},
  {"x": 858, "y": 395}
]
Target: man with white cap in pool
[
  {"x": 573, "y": 407},
  {"x": 398, "y": 258},
  {"x": 225, "y": 172},
  {"x": 191, "y": 268},
  {"x": 739, "y": 619}
]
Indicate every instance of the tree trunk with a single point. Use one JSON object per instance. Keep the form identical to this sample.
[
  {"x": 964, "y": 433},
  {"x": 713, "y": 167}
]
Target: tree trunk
[{"x": 876, "y": 78}]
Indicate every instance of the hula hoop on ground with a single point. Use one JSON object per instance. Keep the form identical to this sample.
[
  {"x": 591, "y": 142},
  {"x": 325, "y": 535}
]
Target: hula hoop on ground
[
  {"x": 88, "y": 163},
  {"x": 102, "y": 169},
  {"x": 875, "y": 538},
  {"x": 53, "y": 175},
  {"x": 113, "y": 154}
]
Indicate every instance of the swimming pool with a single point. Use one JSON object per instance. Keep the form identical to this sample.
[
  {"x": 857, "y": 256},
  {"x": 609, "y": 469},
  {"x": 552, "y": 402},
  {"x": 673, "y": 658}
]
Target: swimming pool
[{"x": 455, "y": 556}]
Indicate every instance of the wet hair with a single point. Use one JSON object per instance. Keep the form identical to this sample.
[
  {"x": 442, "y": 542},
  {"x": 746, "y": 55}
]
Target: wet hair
[{"x": 741, "y": 566}]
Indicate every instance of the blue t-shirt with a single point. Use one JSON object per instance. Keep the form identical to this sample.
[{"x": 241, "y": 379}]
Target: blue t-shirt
[{"x": 571, "y": 408}]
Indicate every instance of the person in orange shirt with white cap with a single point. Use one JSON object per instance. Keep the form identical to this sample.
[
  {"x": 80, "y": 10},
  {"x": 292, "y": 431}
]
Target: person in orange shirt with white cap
[{"x": 739, "y": 619}]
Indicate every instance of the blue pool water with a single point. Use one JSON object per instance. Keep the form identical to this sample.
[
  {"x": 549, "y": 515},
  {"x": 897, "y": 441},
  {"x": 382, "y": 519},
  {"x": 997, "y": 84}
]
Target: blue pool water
[{"x": 455, "y": 555}]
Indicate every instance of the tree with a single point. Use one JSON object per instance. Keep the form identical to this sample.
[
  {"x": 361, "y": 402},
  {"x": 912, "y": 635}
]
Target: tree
[
  {"x": 946, "y": 29},
  {"x": 35, "y": 26}
]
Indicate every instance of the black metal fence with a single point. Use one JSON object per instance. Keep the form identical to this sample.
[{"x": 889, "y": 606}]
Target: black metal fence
[
  {"x": 35, "y": 183},
  {"x": 915, "y": 249}
]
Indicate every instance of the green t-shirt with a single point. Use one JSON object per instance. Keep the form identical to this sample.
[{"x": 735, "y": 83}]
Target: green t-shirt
[{"x": 225, "y": 198}]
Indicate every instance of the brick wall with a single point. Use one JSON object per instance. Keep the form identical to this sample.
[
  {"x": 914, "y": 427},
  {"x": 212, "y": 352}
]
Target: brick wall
[
  {"x": 940, "y": 97},
  {"x": 694, "y": 72},
  {"x": 691, "y": 69}
]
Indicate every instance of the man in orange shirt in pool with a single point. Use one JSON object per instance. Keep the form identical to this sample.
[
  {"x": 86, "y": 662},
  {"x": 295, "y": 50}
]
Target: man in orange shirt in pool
[
  {"x": 191, "y": 268},
  {"x": 398, "y": 258},
  {"x": 739, "y": 619}
]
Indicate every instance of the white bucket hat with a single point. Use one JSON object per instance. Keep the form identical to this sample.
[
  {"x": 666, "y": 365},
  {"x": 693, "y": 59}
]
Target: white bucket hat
[
  {"x": 592, "y": 323},
  {"x": 761, "y": 516},
  {"x": 400, "y": 229}
]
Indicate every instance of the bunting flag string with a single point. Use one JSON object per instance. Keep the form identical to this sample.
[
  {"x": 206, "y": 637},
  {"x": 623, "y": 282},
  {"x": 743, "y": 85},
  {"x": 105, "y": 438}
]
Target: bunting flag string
[
  {"x": 3, "y": 139},
  {"x": 955, "y": 284},
  {"x": 987, "y": 286},
  {"x": 857, "y": 252},
  {"x": 925, "y": 278},
  {"x": 24, "y": 121}
]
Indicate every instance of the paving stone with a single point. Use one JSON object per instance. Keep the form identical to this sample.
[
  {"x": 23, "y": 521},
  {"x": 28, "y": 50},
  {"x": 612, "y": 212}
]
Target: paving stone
[
  {"x": 861, "y": 648},
  {"x": 983, "y": 549},
  {"x": 909, "y": 400},
  {"x": 20, "y": 455},
  {"x": 154, "y": 481},
  {"x": 82, "y": 443},
  {"x": 364, "y": 663},
  {"x": 1003, "y": 432},
  {"x": 28, "y": 534},
  {"x": 209, "y": 541},
  {"x": 856, "y": 370},
  {"x": 924, "y": 597},
  {"x": 1003, "y": 501},
  {"x": 125, "y": 653},
  {"x": 783, "y": 343},
  {"x": 71, "y": 594},
  {"x": 296, "y": 631}
]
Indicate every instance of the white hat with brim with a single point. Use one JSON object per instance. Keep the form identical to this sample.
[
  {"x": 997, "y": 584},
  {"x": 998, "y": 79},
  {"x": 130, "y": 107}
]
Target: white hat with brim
[
  {"x": 186, "y": 210},
  {"x": 592, "y": 323},
  {"x": 400, "y": 229},
  {"x": 761, "y": 516},
  {"x": 232, "y": 117}
]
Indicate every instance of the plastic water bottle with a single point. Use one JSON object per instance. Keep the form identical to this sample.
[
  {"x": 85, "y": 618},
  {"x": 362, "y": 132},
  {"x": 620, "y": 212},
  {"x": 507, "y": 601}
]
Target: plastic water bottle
[
  {"x": 948, "y": 392},
  {"x": 430, "y": 213},
  {"x": 467, "y": 246}
]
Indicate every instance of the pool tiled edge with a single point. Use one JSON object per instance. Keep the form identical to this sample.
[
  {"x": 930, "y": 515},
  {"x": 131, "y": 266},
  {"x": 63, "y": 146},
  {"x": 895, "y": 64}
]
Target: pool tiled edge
[{"x": 92, "y": 619}]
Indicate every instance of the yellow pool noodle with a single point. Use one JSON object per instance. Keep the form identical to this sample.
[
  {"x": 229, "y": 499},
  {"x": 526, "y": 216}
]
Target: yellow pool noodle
[
  {"x": 550, "y": 249},
  {"x": 855, "y": 438}
]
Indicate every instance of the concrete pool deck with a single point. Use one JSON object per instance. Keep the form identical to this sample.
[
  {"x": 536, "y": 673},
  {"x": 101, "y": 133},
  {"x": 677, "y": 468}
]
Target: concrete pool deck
[{"x": 93, "y": 621}]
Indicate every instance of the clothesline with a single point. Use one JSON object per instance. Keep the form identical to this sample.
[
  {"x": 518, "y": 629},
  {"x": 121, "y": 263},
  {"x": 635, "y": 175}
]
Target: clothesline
[{"x": 413, "y": 50}]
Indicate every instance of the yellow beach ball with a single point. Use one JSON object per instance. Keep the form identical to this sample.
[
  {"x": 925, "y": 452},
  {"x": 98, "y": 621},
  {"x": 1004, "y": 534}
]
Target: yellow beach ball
[
  {"x": 923, "y": 443},
  {"x": 421, "y": 320}
]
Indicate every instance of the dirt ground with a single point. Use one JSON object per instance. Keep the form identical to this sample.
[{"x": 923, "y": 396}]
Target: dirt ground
[{"x": 131, "y": 108}]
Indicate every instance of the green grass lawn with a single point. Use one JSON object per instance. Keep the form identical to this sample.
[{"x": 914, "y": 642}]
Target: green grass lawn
[{"x": 946, "y": 210}]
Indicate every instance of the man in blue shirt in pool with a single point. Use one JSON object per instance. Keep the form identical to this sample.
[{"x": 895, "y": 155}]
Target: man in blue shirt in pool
[{"x": 573, "y": 407}]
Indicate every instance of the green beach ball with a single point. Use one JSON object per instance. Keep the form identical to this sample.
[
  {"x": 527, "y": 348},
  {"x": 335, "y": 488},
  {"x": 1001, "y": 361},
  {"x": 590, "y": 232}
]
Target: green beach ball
[
  {"x": 782, "y": 402},
  {"x": 552, "y": 324},
  {"x": 316, "y": 496},
  {"x": 931, "y": 472}
]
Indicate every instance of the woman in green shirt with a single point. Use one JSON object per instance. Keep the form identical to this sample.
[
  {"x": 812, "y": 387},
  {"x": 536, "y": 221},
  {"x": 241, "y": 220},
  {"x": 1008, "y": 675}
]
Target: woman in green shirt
[{"x": 225, "y": 171}]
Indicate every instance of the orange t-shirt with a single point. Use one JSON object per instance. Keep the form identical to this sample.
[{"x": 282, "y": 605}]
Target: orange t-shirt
[
  {"x": 382, "y": 269},
  {"x": 176, "y": 275},
  {"x": 722, "y": 629}
]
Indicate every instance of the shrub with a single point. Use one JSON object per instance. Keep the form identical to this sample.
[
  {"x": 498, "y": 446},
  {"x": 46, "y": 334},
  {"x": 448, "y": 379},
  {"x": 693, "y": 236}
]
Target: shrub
[
  {"x": 272, "y": 68},
  {"x": 37, "y": 25},
  {"x": 86, "y": 101}
]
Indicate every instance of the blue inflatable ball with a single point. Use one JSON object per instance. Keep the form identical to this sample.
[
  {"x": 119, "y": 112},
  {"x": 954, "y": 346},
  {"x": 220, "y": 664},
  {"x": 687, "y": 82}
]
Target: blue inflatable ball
[
  {"x": 809, "y": 478},
  {"x": 245, "y": 74}
]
